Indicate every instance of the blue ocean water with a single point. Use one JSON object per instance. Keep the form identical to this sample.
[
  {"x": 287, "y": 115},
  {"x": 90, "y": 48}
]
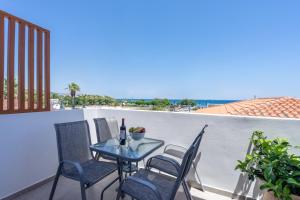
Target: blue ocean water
[
  {"x": 205, "y": 102},
  {"x": 200, "y": 102}
]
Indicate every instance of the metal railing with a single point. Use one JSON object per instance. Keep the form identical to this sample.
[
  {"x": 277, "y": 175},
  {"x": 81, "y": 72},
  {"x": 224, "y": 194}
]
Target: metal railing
[{"x": 24, "y": 66}]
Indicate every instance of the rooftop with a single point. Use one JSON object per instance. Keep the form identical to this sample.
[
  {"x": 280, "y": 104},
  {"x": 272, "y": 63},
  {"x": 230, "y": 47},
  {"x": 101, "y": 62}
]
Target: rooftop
[{"x": 283, "y": 107}]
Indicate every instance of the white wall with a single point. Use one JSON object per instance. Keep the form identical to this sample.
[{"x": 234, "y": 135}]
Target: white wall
[{"x": 28, "y": 146}]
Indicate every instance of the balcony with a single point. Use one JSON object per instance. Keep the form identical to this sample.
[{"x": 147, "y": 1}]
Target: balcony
[{"x": 29, "y": 150}]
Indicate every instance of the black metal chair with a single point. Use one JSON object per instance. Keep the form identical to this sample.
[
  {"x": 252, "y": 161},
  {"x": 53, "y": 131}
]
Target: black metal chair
[
  {"x": 106, "y": 129},
  {"x": 168, "y": 168},
  {"x": 75, "y": 158},
  {"x": 150, "y": 185}
]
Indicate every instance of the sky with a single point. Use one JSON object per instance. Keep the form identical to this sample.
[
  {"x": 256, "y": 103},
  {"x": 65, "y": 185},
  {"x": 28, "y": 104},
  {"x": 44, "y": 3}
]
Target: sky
[{"x": 201, "y": 49}]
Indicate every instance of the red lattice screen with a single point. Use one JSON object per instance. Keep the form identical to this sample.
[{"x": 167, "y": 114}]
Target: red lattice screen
[{"x": 24, "y": 66}]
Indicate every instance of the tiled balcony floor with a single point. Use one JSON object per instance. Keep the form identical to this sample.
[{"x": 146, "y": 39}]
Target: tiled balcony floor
[{"x": 70, "y": 190}]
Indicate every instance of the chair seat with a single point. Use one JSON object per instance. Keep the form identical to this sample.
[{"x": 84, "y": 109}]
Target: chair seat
[
  {"x": 166, "y": 166},
  {"x": 179, "y": 153},
  {"x": 93, "y": 171},
  {"x": 179, "y": 160},
  {"x": 163, "y": 183},
  {"x": 108, "y": 157}
]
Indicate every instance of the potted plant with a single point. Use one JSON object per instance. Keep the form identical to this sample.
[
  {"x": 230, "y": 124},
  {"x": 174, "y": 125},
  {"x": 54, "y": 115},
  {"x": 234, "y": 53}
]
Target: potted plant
[{"x": 273, "y": 163}]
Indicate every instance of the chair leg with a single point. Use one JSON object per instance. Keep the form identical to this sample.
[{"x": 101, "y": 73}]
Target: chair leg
[
  {"x": 119, "y": 195},
  {"x": 97, "y": 156},
  {"x": 82, "y": 188},
  {"x": 198, "y": 177},
  {"x": 144, "y": 163},
  {"x": 102, "y": 193},
  {"x": 55, "y": 182},
  {"x": 186, "y": 191}
]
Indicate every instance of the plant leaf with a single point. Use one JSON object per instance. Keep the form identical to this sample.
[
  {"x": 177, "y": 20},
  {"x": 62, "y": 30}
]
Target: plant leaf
[
  {"x": 268, "y": 186},
  {"x": 297, "y": 173},
  {"x": 268, "y": 173},
  {"x": 293, "y": 182}
]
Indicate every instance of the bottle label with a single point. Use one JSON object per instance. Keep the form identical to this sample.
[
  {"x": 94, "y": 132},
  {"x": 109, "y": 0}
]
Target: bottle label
[{"x": 122, "y": 134}]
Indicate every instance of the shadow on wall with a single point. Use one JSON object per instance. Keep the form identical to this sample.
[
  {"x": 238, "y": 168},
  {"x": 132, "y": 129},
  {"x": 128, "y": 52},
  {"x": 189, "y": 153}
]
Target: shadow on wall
[
  {"x": 243, "y": 185},
  {"x": 193, "y": 176}
]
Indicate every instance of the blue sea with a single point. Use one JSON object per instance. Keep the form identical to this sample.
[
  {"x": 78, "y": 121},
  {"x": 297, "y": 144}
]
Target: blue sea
[
  {"x": 206, "y": 102},
  {"x": 200, "y": 102}
]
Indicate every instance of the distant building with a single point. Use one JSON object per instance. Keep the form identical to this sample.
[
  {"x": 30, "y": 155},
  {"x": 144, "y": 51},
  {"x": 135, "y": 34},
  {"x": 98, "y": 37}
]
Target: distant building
[
  {"x": 55, "y": 104},
  {"x": 284, "y": 107}
]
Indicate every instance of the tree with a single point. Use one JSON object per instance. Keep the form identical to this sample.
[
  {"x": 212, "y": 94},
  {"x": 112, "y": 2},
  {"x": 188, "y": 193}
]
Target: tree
[
  {"x": 5, "y": 88},
  {"x": 140, "y": 102},
  {"x": 165, "y": 102},
  {"x": 160, "y": 102},
  {"x": 54, "y": 95},
  {"x": 73, "y": 88},
  {"x": 187, "y": 102}
]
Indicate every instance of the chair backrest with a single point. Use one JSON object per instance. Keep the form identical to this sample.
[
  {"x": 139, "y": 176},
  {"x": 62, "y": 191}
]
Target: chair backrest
[
  {"x": 106, "y": 128},
  {"x": 113, "y": 127},
  {"x": 73, "y": 141},
  {"x": 187, "y": 160},
  {"x": 198, "y": 140}
]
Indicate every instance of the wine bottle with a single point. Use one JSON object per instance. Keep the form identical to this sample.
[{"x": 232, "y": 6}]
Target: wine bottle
[{"x": 123, "y": 133}]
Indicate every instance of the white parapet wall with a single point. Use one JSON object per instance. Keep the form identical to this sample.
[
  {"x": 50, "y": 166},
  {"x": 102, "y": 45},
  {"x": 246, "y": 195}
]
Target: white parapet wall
[{"x": 28, "y": 148}]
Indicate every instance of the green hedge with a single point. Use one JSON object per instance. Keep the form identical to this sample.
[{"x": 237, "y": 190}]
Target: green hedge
[{"x": 86, "y": 100}]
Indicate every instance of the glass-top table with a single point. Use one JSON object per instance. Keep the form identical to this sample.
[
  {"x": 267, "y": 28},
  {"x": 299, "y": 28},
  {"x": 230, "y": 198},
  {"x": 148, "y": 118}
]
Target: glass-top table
[{"x": 133, "y": 151}]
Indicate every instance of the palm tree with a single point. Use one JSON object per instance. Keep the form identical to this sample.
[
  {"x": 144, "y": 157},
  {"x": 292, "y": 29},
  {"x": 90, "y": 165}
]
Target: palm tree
[{"x": 73, "y": 88}]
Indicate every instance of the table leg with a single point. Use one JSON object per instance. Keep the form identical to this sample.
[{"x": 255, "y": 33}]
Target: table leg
[{"x": 120, "y": 169}]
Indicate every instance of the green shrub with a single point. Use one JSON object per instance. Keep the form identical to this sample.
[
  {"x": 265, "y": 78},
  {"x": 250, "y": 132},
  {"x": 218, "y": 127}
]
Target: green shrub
[
  {"x": 187, "y": 102},
  {"x": 272, "y": 162},
  {"x": 86, "y": 100}
]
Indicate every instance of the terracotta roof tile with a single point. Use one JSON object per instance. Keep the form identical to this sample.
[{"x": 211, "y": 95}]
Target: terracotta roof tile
[{"x": 285, "y": 107}]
